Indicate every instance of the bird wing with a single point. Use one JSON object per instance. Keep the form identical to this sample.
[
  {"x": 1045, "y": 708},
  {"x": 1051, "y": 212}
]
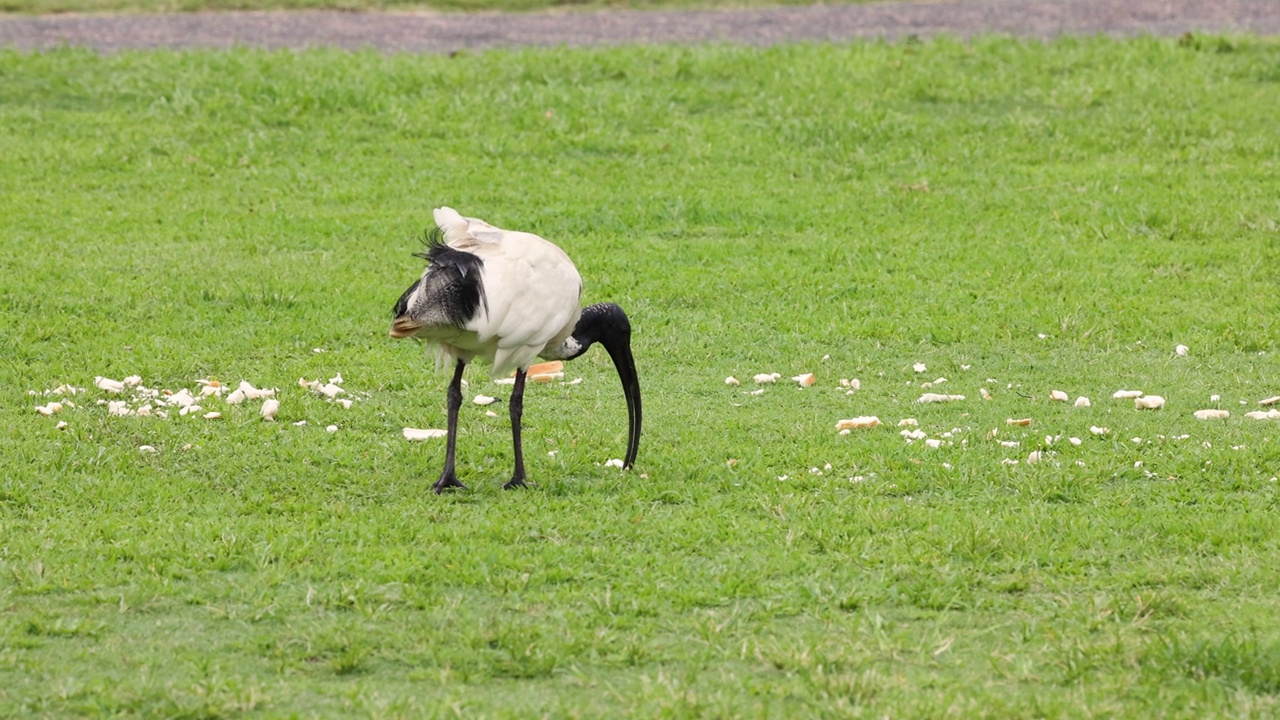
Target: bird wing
[
  {"x": 484, "y": 232},
  {"x": 455, "y": 227},
  {"x": 464, "y": 233},
  {"x": 533, "y": 291}
]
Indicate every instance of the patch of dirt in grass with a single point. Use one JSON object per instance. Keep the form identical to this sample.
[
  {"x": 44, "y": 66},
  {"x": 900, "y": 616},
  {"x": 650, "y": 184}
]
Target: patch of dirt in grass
[{"x": 427, "y": 31}]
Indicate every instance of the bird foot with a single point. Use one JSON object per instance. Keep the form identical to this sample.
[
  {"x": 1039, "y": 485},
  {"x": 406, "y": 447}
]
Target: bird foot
[
  {"x": 516, "y": 482},
  {"x": 447, "y": 481}
]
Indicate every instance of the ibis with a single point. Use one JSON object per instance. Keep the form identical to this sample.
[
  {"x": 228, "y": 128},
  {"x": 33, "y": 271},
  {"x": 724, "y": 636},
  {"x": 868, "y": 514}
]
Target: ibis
[{"x": 506, "y": 298}]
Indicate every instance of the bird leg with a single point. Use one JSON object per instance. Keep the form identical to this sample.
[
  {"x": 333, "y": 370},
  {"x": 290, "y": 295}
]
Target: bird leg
[
  {"x": 448, "y": 477},
  {"x": 516, "y": 407}
]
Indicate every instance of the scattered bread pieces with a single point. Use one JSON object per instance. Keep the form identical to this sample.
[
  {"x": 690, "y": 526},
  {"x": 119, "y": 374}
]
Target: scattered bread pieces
[
  {"x": 1181, "y": 350},
  {"x": 330, "y": 390},
  {"x": 1126, "y": 394},
  {"x": 546, "y": 368},
  {"x": 254, "y": 393},
  {"x": 1058, "y": 396},
  {"x": 484, "y": 400},
  {"x": 1083, "y": 401},
  {"x": 50, "y": 409},
  {"x": 867, "y": 421},
  {"x": 111, "y": 386},
  {"x": 731, "y": 380},
  {"x": 1272, "y": 414},
  {"x": 766, "y": 378},
  {"x": 805, "y": 380},
  {"x": 270, "y": 407},
  {"x": 419, "y": 434},
  {"x": 1212, "y": 414},
  {"x": 935, "y": 397},
  {"x": 1148, "y": 402},
  {"x": 1270, "y": 400},
  {"x": 1023, "y": 422},
  {"x": 182, "y": 398}
]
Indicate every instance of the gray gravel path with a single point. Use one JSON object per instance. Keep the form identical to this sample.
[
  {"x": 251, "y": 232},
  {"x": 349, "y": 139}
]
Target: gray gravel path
[{"x": 448, "y": 32}]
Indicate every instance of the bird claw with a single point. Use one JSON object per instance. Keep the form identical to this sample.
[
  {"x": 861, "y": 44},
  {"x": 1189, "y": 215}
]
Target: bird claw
[
  {"x": 447, "y": 481},
  {"x": 516, "y": 482}
]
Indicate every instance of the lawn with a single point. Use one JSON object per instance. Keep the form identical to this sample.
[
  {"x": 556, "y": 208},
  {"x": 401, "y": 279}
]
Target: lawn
[{"x": 1018, "y": 217}]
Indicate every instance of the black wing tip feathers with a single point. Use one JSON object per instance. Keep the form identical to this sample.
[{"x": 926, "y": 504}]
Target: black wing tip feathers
[
  {"x": 402, "y": 305},
  {"x": 453, "y": 279}
]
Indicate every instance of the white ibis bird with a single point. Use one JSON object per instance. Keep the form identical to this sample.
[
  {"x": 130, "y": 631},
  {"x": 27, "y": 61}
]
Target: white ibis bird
[{"x": 507, "y": 297}]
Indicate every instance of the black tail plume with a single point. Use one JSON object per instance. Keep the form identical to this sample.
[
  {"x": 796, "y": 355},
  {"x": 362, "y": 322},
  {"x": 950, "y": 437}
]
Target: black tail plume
[{"x": 454, "y": 277}]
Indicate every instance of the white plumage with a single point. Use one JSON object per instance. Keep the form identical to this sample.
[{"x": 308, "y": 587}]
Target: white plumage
[
  {"x": 507, "y": 297},
  {"x": 532, "y": 293}
]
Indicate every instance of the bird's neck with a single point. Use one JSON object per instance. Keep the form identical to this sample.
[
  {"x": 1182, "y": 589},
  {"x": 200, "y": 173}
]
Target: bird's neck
[{"x": 600, "y": 323}]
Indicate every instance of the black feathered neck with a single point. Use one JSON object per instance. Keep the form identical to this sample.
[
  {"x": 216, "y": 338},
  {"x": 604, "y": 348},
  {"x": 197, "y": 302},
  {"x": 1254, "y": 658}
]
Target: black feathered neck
[
  {"x": 600, "y": 323},
  {"x": 607, "y": 324}
]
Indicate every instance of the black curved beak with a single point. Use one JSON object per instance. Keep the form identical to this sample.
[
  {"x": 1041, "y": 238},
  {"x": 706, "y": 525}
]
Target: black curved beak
[
  {"x": 607, "y": 324},
  {"x": 619, "y": 348}
]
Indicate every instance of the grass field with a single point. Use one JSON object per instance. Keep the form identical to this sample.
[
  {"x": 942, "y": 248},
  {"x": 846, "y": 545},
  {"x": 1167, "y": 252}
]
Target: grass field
[{"x": 1020, "y": 217}]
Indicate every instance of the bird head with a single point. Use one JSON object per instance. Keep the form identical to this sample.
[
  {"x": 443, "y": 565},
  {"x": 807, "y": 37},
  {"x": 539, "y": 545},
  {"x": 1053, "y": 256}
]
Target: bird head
[{"x": 607, "y": 324}]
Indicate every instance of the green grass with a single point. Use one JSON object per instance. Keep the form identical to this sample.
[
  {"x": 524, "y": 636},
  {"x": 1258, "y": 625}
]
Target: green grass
[{"x": 1048, "y": 216}]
